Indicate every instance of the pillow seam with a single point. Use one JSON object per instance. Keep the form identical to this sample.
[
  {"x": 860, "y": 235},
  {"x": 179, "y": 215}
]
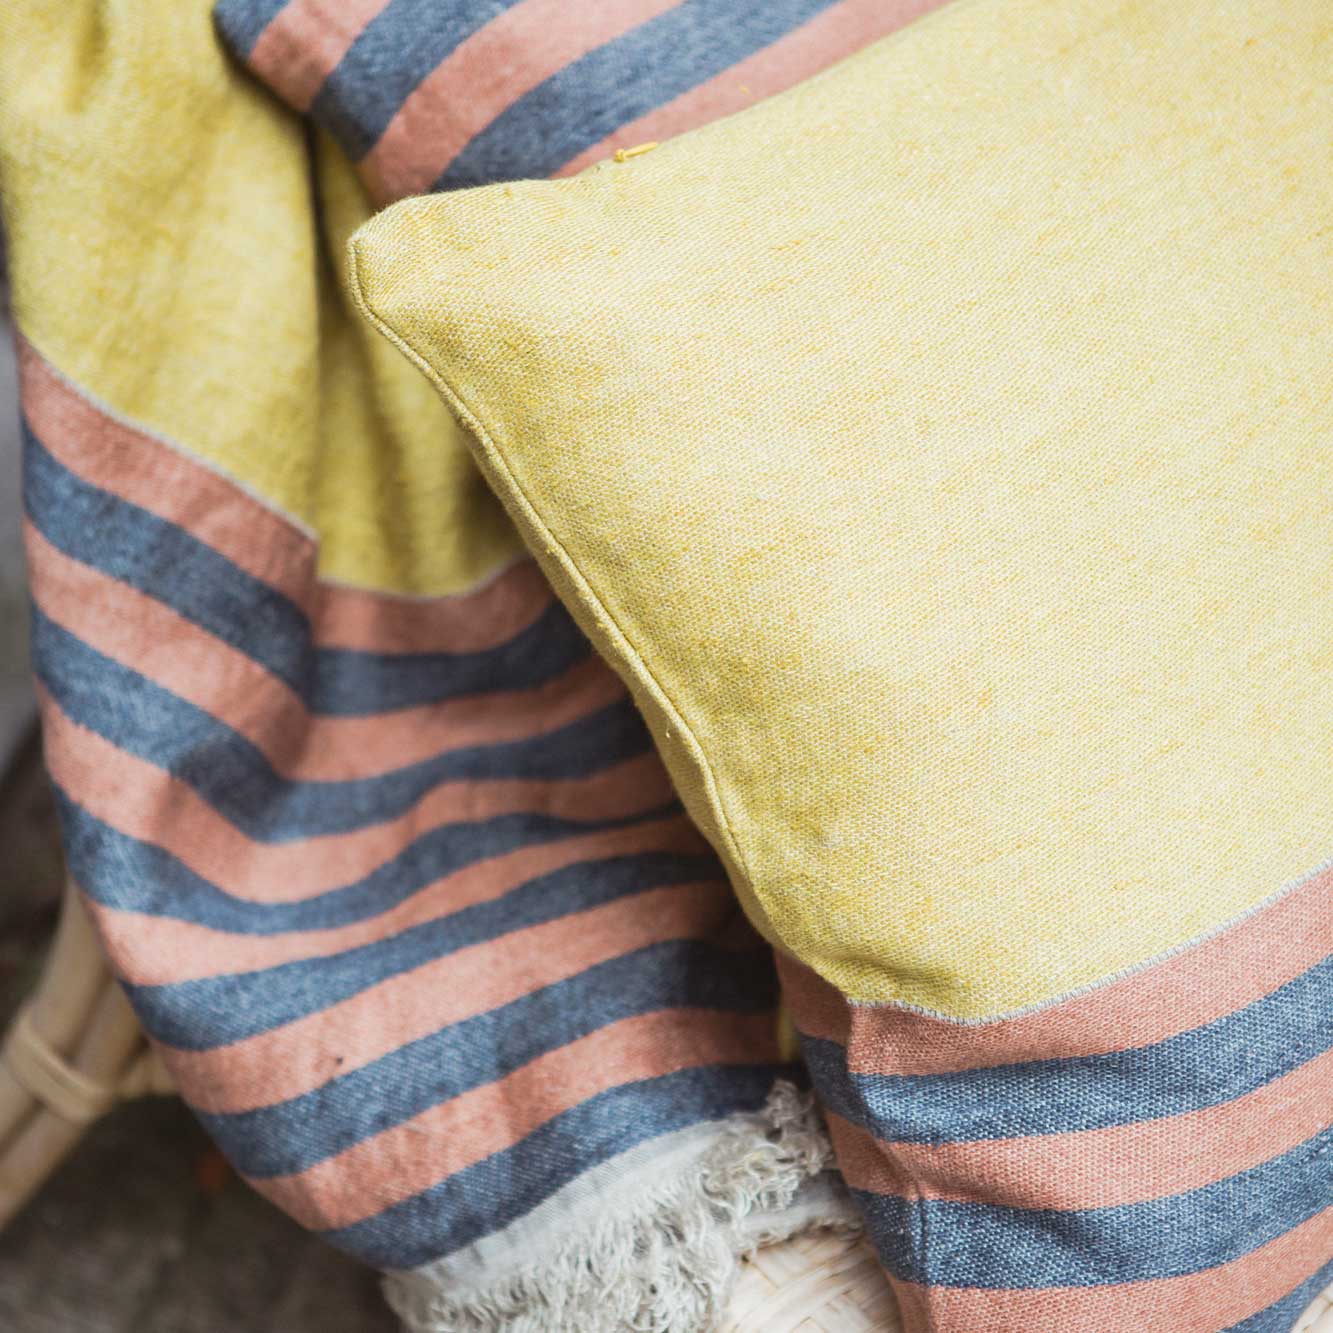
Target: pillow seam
[{"x": 488, "y": 443}]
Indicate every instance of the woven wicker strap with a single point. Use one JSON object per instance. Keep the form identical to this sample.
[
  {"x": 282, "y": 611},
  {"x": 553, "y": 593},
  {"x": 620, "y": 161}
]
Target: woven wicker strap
[
  {"x": 1319, "y": 1317},
  {"x": 146, "y": 1077},
  {"x": 50, "y": 1078}
]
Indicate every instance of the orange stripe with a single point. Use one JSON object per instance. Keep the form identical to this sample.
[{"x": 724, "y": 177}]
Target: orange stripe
[
  {"x": 867, "y": 1164},
  {"x": 145, "y": 802},
  {"x": 1200, "y": 1303},
  {"x": 504, "y": 605},
  {"x": 818, "y": 1008},
  {"x": 376, "y": 622},
  {"x": 1199, "y": 985},
  {"x": 829, "y": 37},
  {"x": 303, "y": 44},
  {"x": 148, "y": 636},
  {"x": 156, "y": 950},
  {"x": 127, "y": 462},
  {"x": 487, "y": 73},
  {"x": 167, "y": 482},
  {"x": 306, "y": 1054},
  {"x": 392, "y": 1166},
  {"x": 1101, "y": 1168}
]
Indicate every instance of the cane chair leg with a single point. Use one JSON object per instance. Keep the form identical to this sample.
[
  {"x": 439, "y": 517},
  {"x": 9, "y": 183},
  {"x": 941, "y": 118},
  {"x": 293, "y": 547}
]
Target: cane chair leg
[
  {"x": 60, "y": 1006},
  {"x": 72, "y": 1052},
  {"x": 1319, "y": 1317}
]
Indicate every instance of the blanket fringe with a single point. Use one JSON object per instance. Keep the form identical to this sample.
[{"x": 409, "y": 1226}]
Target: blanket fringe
[{"x": 668, "y": 1264}]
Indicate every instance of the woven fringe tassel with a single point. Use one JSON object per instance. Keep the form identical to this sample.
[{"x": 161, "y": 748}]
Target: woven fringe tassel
[{"x": 667, "y": 1265}]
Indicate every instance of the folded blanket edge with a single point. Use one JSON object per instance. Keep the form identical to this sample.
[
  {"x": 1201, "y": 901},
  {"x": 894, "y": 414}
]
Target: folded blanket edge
[{"x": 666, "y": 1256}]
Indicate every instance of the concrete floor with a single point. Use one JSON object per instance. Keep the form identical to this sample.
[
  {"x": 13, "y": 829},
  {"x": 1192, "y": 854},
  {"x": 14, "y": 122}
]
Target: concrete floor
[{"x": 144, "y": 1231}]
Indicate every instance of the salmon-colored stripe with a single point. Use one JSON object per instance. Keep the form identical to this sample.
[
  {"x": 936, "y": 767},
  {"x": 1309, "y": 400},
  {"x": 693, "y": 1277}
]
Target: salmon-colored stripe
[
  {"x": 304, "y": 42},
  {"x": 467, "y": 622},
  {"x": 152, "y": 639},
  {"x": 375, "y": 622},
  {"x": 145, "y": 802},
  {"x": 166, "y": 482},
  {"x": 132, "y": 464},
  {"x": 390, "y": 1167},
  {"x": 1101, "y": 1168},
  {"x": 157, "y": 951},
  {"x": 867, "y": 1164},
  {"x": 914, "y": 1314},
  {"x": 308, "y": 1053},
  {"x": 826, "y": 38},
  {"x": 1199, "y": 1303},
  {"x": 487, "y": 73},
  {"x": 1199, "y": 985},
  {"x": 818, "y": 1008}
]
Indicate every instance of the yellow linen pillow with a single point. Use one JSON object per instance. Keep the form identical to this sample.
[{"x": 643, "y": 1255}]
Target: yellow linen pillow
[{"x": 941, "y": 451}]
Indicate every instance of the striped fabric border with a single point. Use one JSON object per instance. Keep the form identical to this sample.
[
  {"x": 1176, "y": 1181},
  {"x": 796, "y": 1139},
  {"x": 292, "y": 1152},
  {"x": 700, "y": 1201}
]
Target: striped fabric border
[
  {"x": 426, "y": 95},
  {"x": 402, "y": 891},
  {"x": 1156, "y": 1153}
]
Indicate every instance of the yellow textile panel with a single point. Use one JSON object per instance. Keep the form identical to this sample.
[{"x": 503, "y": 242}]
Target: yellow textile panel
[
  {"x": 190, "y": 290},
  {"x": 942, "y": 452}
]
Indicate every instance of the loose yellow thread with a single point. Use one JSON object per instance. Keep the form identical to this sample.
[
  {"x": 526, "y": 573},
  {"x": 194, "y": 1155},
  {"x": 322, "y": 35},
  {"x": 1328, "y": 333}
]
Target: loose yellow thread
[{"x": 624, "y": 154}]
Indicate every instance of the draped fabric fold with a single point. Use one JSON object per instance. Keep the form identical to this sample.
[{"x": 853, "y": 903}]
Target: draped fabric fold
[{"x": 381, "y": 850}]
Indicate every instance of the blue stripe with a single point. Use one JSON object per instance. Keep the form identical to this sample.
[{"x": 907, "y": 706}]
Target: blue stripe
[
  {"x": 241, "y": 22},
  {"x": 1204, "y": 1067},
  {"x": 948, "y": 1244},
  {"x": 645, "y": 68},
  {"x": 168, "y": 563},
  {"x": 294, "y": 1135},
  {"x": 399, "y": 47},
  {"x": 122, "y": 872},
  {"x": 236, "y": 779},
  {"x": 198, "y": 1015},
  {"x": 492, "y": 1193},
  {"x": 1281, "y": 1316}
]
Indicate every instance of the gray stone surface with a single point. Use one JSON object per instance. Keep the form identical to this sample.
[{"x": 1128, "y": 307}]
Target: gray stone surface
[{"x": 140, "y": 1232}]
